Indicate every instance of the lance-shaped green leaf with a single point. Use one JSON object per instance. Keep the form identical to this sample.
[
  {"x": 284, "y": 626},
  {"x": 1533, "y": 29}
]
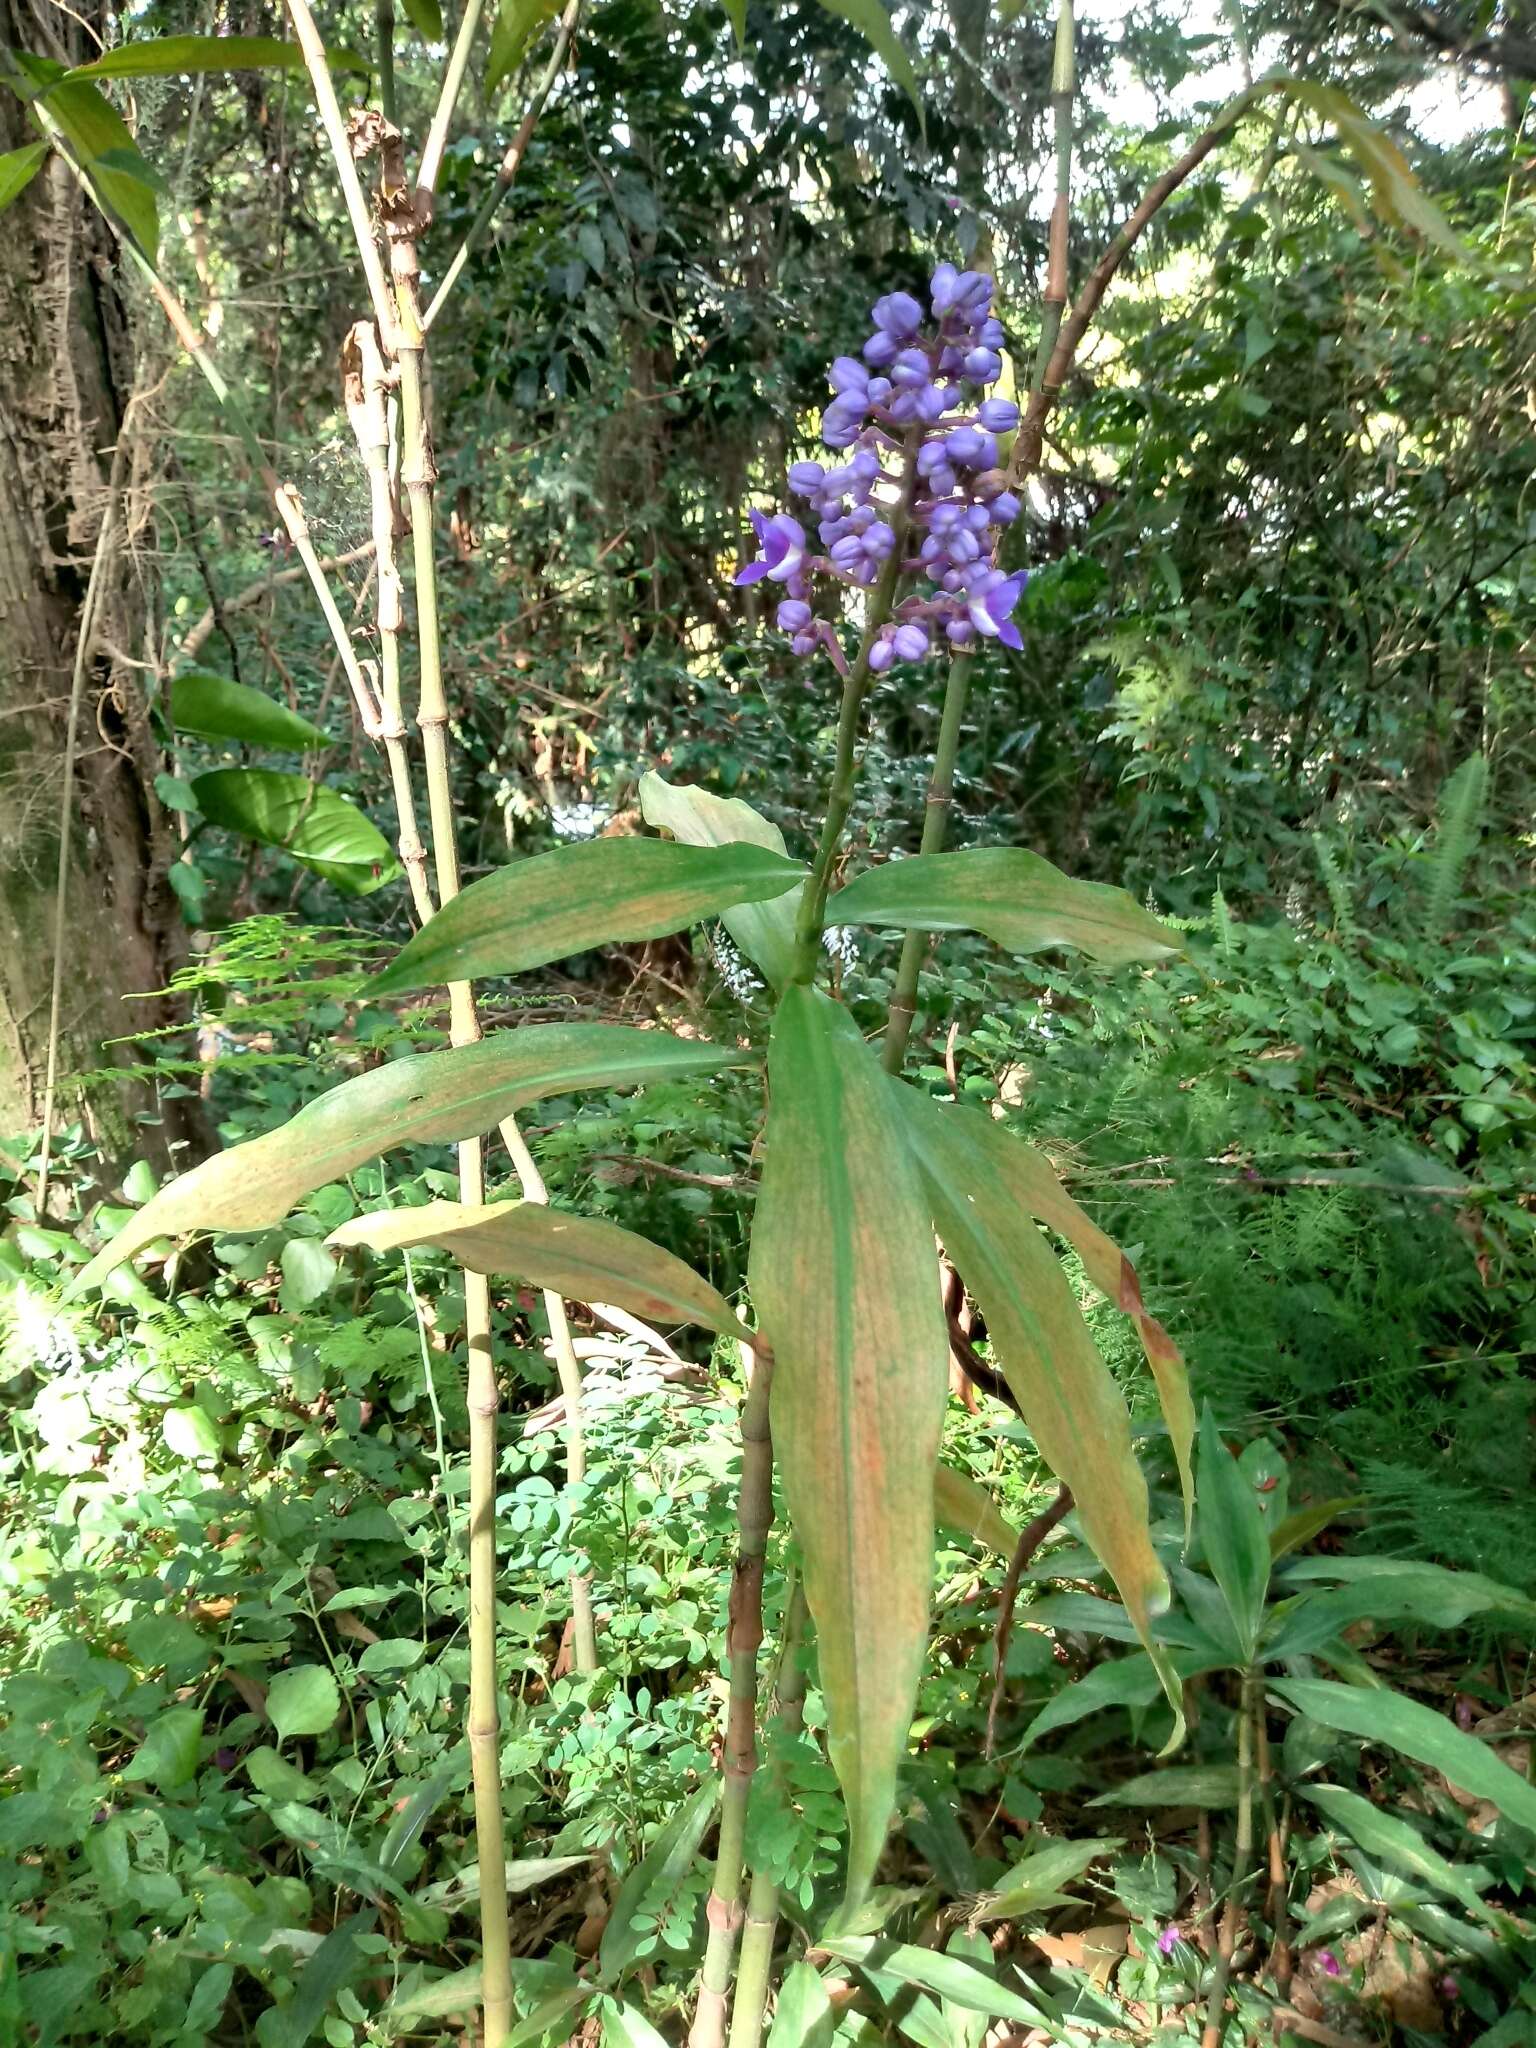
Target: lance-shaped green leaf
[
  {"x": 426, "y": 17},
  {"x": 1066, "y": 1393},
  {"x": 599, "y": 893},
  {"x": 432, "y": 1098},
  {"x": 195, "y": 56},
  {"x": 960, "y": 1502},
  {"x": 1399, "y": 1843},
  {"x": 316, "y": 825},
  {"x": 765, "y": 932},
  {"x": 18, "y": 167},
  {"x": 1232, "y": 1531},
  {"x": 948, "y": 1977},
  {"x": 1132, "y": 1681},
  {"x": 516, "y": 24},
  {"x": 873, "y": 22},
  {"x": 225, "y": 710},
  {"x": 1179, "y": 1785},
  {"x": 845, "y": 1285},
  {"x": 1379, "y": 1716},
  {"x": 1012, "y": 897},
  {"x": 583, "y": 1258},
  {"x": 1026, "y": 1176},
  {"x": 1034, "y": 1882},
  {"x": 100, "y": 142}
]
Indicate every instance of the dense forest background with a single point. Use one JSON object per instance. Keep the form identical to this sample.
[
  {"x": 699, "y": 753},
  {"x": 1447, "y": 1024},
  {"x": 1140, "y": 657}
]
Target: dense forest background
[{"x": 1276, "y": 679}]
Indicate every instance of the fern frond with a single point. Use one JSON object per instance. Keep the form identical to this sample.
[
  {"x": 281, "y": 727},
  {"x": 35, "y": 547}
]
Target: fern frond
[
  {"x": 1458, "y": 827},
  {"x": 1334, "y": 883}
]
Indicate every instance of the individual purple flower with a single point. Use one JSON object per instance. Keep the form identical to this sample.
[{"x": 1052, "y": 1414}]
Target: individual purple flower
[
  {"x": 1328, "y": 1962},
  {"x": 782, "y": 541},
  {"x": 990, "y": 604},
  {"x": 1169, "y": 1939}
]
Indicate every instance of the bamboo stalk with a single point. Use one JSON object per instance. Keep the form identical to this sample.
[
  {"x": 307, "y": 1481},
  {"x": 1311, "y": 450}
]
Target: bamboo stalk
[
  {"x": 744, "y": 1635},
  {"x": 1063, "y": 89},
  {"x": 442, "y": 118},
  {"x": 506, "y": 174},
  {"x": 760, "y": 1927},
  {"x": 365, "y": 383},
  {"x": 584, "y": 1657}
]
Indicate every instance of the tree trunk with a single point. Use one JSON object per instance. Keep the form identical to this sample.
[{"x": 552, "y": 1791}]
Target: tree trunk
[{"x": 66, "y": 372}]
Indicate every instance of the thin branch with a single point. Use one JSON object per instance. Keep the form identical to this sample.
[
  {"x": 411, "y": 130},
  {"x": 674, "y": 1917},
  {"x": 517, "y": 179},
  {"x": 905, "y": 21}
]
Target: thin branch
[
  {"x": 1031, "y": 1536},
  {"x": 442, "y": 119},
  {"x": 200, "y": 634}
]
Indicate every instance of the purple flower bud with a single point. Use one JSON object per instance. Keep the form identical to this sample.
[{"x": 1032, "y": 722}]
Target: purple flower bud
[
  {"x": 793, "y": 616},
  {"x": 943, "y": 480},
  {"x": 975, "y": 517},
  {"x": 879, "y": 541},
  {"x": 881, "y": 350},
  {"x": 838, "y": 429},
  {"x": 966, "y": 447},
  {"x": 942, "y": 285},
  {"x": 879, "y": 390},
  {"x": 929, "y": 457},
  {"x": 946, "y": 517},
  {"x": 848, "y": 553},
  {"x": 865, "y": 467},
  {"x": 993, "y": 334},
  {"x": 953, "y": 580},
  {"x": 804, "y": 643},
  {"x": 964, "y": 546},
  {"x": 910, "y": 369},
  {"x": 959, "y": 632},
  {"x": 998, "y": 415},
  {"x": 805, "y": 478},
  {"x": 861, "y": 518},
  {"x": 903, "y": 407},
  {"x": 1004, "y": 509},
  {"x": 848, "y": 374},
  {"x": 910, "y": 642},
  {"x": 982, "y": 365},
  {"x": 931, "y": 402},
  {"x": 881, "y": 655},
  {"x": 898, "y": 313}
]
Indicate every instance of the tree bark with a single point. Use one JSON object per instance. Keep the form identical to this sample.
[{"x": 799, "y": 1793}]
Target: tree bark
[{"x": 66, "y": 372}]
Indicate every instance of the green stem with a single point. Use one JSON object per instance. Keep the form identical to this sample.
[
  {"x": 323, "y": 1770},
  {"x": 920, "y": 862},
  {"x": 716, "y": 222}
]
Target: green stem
[
  {"x": 760, "y": 1927},
  {"x": 384, "y": 39},
  {"x": 744, "y": 1636},
  {"x": 1242, "y": 1861},
  {"x": 813, "y": 904},
  {"x": 507, "y": 173},
  {"x": 941, "y": 796}
]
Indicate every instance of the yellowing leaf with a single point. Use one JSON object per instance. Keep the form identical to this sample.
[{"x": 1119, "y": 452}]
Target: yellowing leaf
[
  {"x": 594, "y": 894},
  {"x": 433, "y": 1098},
  {"x": 581, "y": 1257},
  {"x": 1027, "y": 1178},
  {"x": 844, "y": 1280},
  {"x": 765, "y": 932},
  {"x": 1066, "y": 1393},
  {"x": 1013, "y": 897}
]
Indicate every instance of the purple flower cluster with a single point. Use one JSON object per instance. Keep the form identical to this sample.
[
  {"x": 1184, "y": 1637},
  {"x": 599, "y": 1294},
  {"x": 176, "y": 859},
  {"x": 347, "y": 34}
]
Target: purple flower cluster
[{"x": 919, "y": 386}]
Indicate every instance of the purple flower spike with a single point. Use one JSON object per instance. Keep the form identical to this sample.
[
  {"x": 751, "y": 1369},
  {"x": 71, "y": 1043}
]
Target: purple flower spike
[
  {"x": 991, "y": 601},
  {"x": 782, "y": 541},
  {"x": 898, "y": 313}
]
